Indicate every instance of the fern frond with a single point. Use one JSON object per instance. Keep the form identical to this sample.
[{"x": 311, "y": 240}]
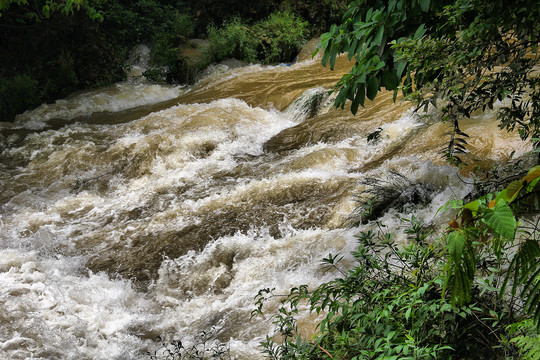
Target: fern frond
[
  {"x": 525, "y": 339},
  {"x": 460, "y": 269},
  {"x": 524, "y": 271}
]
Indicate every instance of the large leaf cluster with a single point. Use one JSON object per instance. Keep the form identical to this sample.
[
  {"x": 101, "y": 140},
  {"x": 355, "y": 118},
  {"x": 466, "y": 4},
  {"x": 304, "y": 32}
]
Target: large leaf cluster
[
  {"x": 368, "y": 33},
  {"x": 392, "y": 305},
  {"x": 459, "y": 56},
  {"x": 491, "y": 221}
]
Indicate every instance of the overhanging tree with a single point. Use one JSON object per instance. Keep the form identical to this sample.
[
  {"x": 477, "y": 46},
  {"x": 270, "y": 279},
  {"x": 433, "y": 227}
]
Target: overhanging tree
[{"x": 458, "y": 56}]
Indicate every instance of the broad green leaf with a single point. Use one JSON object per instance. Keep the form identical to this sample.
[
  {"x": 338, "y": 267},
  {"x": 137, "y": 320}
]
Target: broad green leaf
[
  {"x": 473, "y": 206},
  {"x": 532, "y": 184},
  {"x": 389, "y": 80},
  {"x": 379, "y": 36},
  {"x": 372, "y": 87},
  {"x": 325, "y": 57},
  {"x": 380, "y": 65},
  {"x": 391, "y": 5},
  {"x": 502, "y": 195},
  {"x": 359, "y": 98},
  {"x": 424, "y": 4},
  {"x": 501, "y": 220},
  {"x": 512, "y": 190},
  {"x": 420, "y": 32},
  {"x": 532, "y": 178},
  {"x": 456, "y": 242},
  {"x": 333, "y": 54},
  {"x": 533, "y": 169},
  {"x": 352, "y": 49},
  {"x": 361, "y": 93}
]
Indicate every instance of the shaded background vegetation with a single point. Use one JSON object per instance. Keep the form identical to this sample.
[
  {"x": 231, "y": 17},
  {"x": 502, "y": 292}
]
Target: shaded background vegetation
[{"x": 48, "y": 56}]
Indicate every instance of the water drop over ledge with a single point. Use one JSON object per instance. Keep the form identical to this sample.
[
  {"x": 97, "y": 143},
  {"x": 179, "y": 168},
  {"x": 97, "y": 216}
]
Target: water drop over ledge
[{"x": 121, "y": 224}]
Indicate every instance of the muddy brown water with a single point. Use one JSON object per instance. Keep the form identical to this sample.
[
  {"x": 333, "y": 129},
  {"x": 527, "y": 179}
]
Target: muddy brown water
[{"x": 142, "y": 210}]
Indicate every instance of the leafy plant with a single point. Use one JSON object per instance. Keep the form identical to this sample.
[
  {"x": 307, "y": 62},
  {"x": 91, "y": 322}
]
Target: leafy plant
[
  {"x": 281, "y": 37},
  {"x": 277, "y": 38},
  {"x": 495, "y": 213},
  {"x": 526, "y": 339},
  {"x": 459, "y": 56},
  {"x": 16, "y": 95},
  {"x": 233, "y": 40},
  {"x": 43, "y": 10},
  {"x": 391, "y": 305}
]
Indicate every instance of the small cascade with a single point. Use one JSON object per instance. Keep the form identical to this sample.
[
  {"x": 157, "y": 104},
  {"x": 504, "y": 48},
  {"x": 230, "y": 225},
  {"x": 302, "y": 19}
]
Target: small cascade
[
  {"x": 311, "y": 103},
  {"x": 138, "y": 60}
]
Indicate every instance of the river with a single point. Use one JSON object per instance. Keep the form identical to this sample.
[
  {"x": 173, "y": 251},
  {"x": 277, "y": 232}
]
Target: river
[{"x": 142, "y": 210}]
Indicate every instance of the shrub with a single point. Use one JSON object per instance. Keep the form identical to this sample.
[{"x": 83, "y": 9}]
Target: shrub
[
  {"x": 168, "y": 63},
  {"x": 17, "y": 94},
  {"x": 393, "y": 304},
  {"x": 233, "y": 40},
  {"x": 281, "y": 37},
  {"x": 275, "y": 39},
  {"x": 320, "y": 14}
]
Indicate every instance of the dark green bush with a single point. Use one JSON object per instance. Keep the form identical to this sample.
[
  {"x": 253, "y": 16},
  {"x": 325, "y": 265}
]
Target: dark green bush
[
  {"x": 275, "y": 39},
  {"x": 281, "y": 37},
  {"x": 320, "y": 14},
  {"x": 168, "y": 62},
  {"x": 234, "y": 40},
  {"x": 392, "y": 305},
  {"x": 132, "y": 22},
  {"x": 17, "y": 94}
]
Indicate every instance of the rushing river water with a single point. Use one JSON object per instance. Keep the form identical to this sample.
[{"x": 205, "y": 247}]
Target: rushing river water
[{"x": 142, "y": 210}]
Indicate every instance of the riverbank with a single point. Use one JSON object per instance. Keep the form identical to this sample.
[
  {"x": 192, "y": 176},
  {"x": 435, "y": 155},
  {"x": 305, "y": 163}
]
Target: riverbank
[{"x": 46, "y": 56}]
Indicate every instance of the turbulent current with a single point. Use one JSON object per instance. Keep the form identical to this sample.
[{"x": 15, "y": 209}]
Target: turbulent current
[{"x": 142, "y": 210}]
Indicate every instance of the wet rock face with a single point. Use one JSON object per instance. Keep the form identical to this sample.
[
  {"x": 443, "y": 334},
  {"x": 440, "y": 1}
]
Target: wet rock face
[
  {"x": 311, "y": 129},
  {"x": 309, "y": 132}
]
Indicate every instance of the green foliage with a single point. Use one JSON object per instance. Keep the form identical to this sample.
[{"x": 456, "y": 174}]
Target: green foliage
[
  {"x": 17, "y": 94},
  {"x": 168, "y": 63},
  {"x": 218, "y": 12},
  {"x": 133, "y": 22},
  {"x": 320, "y": 14},
  {"x": 281, "y": 37},
  {"x": 37, "y": 11},
  {"x": 365, "y": 34},
  {"x": 275, "y": 39},
  {"x": 527, "y": 341},
  {"x": 460, "y": 56},
  {"x": 461, "y": 267},
  {"x": 62, "y": 50},
  {"x": 392, "y": 305},
  {"x": 495, "y": 214},
  {"x": 233, "y": 40}
]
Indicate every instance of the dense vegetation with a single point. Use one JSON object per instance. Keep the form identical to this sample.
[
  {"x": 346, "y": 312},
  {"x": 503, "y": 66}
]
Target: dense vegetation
[
  {"x": 53, "y": 48},
  {"x": 472, "y": 290}
]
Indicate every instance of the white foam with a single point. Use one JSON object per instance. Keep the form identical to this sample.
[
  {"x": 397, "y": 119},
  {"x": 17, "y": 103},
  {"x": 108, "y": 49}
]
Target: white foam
[
  {"x": 56, "y": 309},
  {"x": 121, "y": 96}
]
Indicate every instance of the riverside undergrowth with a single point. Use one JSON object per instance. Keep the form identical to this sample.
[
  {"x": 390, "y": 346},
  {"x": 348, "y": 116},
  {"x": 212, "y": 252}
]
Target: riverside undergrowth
[{"x": 469, "y": 292}]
